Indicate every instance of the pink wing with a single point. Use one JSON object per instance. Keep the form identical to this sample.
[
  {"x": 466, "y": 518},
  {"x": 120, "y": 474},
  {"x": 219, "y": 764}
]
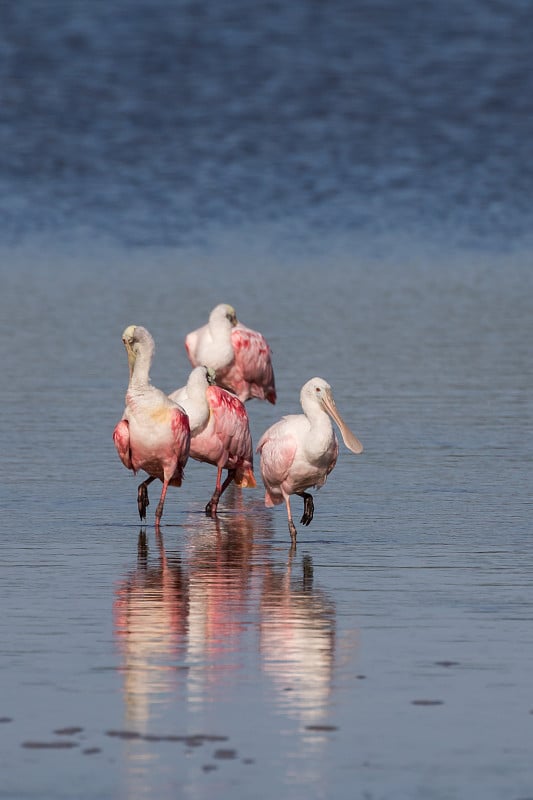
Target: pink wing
[
  {"x": 181, "y": 433},
  {"x": 233, "y": 431},
  {"x": 121, "y": 438},
  {"x": 253, "y": 363},
  {"x": 231, "y": 421},
  {"x": 277, "y": 456}
]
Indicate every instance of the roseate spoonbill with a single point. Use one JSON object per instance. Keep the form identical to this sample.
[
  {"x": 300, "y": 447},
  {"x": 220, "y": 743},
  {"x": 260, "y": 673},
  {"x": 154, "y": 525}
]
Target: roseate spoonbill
[
  {"x": 153, "y": 434},
  {"x": 300, "y": 450},
  {"x": 220, "y": 432},
  {"x": 240, "y": 357}
]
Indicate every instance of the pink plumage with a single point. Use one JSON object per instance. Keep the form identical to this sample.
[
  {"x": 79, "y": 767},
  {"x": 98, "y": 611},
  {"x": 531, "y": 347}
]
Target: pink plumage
[
  {"x": 153, "y": 434},
  {"x": 300, "y": 451},
  {"x": 240, "y": 356},
  {"x": 220, "y": 431}
]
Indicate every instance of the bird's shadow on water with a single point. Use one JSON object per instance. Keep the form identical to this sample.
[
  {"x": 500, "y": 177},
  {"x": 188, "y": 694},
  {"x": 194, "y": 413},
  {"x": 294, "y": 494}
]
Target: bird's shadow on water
[{"x": 225, "y": 593}]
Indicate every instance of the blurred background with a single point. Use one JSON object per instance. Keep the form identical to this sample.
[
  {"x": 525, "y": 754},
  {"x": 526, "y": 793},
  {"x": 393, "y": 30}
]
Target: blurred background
[{"x": 157, "y": 122}]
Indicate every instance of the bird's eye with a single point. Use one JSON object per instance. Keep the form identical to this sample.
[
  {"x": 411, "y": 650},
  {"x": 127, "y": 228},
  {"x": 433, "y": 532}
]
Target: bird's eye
[{"x": 317, "y": 388}]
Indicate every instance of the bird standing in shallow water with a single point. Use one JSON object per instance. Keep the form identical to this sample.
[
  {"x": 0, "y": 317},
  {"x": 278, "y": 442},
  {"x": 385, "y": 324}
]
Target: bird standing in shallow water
[
  {"x": 240, "y": 356},
  {"x": 153, "y": 434},
  {"x": 220, "y": 432},
  {"x": 300, "y": 450}
]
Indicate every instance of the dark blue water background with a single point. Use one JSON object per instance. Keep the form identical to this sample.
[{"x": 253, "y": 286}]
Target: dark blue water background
[
  {"x": 356, "y": 178},
  {"x": 152, "y": 121}
]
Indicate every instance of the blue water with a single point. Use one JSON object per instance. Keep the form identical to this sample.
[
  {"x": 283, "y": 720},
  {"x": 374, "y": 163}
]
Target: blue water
[
  {"x": 152, "y": 121},
  {"x": 355, "y": 178}
]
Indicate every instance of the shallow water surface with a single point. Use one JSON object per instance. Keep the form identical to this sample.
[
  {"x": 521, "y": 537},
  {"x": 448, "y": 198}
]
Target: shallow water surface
[{"x": 386, "y": 656}]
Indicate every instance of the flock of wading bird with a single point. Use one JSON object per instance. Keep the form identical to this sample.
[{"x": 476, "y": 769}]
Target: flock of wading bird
[{"x": 207, "y": 419}]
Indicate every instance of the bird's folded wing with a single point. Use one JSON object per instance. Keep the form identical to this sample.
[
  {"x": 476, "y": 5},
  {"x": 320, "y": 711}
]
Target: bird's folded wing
[
  {"x": 253, "y": 354},
  {"x": 121, "y": 438}
]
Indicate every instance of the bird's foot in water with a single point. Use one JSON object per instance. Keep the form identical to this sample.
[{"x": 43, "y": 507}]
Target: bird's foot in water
[
  {"x": 292, "y": 531},
  {"x": 211, "y": 507},
  {"x": 159, "y": 512}
]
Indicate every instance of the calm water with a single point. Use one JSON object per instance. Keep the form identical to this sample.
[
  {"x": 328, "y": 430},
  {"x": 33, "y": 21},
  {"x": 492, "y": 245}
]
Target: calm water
[{"x": 356, "y": 179}]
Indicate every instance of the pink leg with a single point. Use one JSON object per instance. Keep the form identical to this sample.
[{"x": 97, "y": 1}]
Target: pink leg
[
  {"x": 292, "y": 528},
  {"x": 159, "y": 509},
  {"x": 211, "y": 507}
]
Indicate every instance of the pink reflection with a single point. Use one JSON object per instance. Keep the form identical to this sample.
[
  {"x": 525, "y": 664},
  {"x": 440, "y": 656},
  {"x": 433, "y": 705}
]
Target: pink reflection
[
  {"x": 150, "y": 622},
  {"x": 192, "y": 625},
  {"x": 219, "y": 557},
  {"x": 297, "y": 640}
]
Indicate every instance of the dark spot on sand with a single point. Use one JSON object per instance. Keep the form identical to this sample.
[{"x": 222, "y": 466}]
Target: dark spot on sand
[
  {"x": 248, "y": 761},
  {"x": 198, "y": 739},
  {"x": 6, "y": 719},
  {"x": 427, "y": 702},
  {"x": 209, "y": 767},
  {"x": 120, "y": 668},
  {"x": 360, "y": 677},
  {"x": 123, "y": 734},
  {"x": 211, "y": 737},
  {"x": 191, "y": 740},
  {"x": 225, "y": 754},
  {"x": 68, "y": 731},
  {"x": 321, "y": 728},
  {"x": 60, "y": 745},
  {"x": 170, "y": 737},
  {"x": 447, "y": 663},
  {"x": 91, "y": 751},
  {"x": 194, "y": 741}
]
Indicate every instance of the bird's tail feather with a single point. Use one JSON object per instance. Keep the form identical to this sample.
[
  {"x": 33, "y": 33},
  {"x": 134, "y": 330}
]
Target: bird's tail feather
[{"x": 245, "y": 479}]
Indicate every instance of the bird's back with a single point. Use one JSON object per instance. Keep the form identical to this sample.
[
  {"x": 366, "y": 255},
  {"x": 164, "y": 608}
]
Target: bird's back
[
  {"x": 231, "y": 422},
  {"x": 251, "y": 373}
]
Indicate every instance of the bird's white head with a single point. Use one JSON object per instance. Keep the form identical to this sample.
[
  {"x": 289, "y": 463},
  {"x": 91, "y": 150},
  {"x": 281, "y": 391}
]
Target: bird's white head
[
  {"x": 137, "y": 339},
  {"x": 318, "y": 391},
  {"x": 201, "y": 377},
  {"x": 224, "y": 312}
]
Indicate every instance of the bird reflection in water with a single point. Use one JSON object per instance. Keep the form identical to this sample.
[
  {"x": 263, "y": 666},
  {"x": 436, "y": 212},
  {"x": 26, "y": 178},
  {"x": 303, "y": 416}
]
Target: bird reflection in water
[
  {"x": 297, "y": 639},
  {"x": 189, "y": 626},
  {"x": 150, "y": 621},
  {"x": 220, "y": 558}
]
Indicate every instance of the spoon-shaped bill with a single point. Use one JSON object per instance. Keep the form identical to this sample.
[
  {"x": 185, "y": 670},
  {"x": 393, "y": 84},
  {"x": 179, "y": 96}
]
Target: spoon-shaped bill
[{"x": 350, "y": 439}]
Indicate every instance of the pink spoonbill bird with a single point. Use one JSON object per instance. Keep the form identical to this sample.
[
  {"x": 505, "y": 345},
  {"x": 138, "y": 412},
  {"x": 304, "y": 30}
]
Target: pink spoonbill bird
[
  {"x": 300, "y": 450},
  {"x": 153, "y": 434},
  {"x": 220, "y": 432},
  {"x": 240, "y": 356}
]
